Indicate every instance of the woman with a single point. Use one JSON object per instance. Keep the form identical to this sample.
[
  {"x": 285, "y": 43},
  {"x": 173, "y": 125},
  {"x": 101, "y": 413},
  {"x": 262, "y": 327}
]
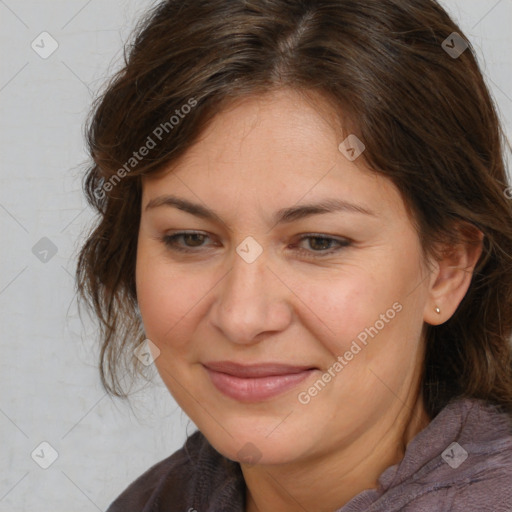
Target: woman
[{"x": 303, "y": 208}]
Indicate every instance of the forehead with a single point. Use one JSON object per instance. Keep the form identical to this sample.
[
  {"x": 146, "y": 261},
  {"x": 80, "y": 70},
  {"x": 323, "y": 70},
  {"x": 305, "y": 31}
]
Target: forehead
[{"x": 272, "y": 149}]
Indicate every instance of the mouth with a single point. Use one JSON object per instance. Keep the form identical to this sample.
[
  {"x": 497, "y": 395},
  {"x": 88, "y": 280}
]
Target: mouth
[{"x": 257, "y": 382}]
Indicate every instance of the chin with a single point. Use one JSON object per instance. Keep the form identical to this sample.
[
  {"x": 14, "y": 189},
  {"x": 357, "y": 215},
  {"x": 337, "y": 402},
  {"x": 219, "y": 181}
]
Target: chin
[
  {"x": 257, "y": 451},
  {"x": 250, "y": 443}
]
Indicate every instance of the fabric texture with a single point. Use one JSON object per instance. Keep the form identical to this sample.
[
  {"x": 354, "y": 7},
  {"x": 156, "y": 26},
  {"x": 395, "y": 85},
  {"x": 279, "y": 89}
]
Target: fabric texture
[{"x": 434, "y": 475}]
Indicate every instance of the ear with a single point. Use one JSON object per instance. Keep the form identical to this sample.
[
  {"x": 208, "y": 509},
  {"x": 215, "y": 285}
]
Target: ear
[{"x": 452, "y": 274}]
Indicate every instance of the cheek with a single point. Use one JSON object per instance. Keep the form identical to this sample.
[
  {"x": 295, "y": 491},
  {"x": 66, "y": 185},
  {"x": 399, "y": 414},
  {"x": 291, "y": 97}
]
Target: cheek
[
  {"x": 166, "y": 297},
  {"x": 339, "y": 309},
  {"x": 368, "y": 314}
]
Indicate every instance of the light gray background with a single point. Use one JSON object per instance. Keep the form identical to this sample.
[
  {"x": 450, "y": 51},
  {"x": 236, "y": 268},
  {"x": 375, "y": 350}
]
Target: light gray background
[{"x": 49, "y": 383}]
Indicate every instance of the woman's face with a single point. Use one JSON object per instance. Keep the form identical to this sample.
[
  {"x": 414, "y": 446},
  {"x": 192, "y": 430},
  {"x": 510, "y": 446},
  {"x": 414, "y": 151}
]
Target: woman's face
[{"x": 284, "y": 333}]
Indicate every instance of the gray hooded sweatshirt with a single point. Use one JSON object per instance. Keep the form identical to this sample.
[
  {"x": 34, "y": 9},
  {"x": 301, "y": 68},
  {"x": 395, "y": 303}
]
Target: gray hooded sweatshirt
[{"x": 461, "y": 462}]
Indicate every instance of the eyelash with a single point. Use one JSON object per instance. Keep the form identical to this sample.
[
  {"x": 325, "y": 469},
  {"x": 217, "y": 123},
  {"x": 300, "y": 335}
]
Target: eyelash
[{"x": 170, "y": 242}]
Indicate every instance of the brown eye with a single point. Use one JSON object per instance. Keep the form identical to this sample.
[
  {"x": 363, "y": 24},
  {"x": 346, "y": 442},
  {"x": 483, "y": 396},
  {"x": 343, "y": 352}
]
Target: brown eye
[
  {"x": 190, "y": 240},
  {"x": 193, "y": 239},
  {"x": 319, "y": 246}
]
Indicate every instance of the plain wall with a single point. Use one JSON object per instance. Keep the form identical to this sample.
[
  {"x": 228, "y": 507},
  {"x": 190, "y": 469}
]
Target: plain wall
[{"x": 50, "y": 389}]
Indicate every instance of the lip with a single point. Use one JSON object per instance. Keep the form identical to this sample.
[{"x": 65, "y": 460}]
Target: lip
[{"x": 256, "y": 382}]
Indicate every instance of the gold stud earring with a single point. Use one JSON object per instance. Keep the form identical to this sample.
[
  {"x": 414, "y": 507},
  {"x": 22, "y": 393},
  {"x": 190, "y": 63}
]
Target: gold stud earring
[{"x": 437, "y": 310}]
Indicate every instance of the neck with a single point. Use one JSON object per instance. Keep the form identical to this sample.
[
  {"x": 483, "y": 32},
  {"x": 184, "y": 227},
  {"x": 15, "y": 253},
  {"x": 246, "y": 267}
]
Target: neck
[{"x": 328, "y": 481}]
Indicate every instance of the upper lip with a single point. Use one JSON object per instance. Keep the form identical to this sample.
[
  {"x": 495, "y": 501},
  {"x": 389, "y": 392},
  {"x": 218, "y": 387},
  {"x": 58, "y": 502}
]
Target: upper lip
[{"x": 255, "y": 370}]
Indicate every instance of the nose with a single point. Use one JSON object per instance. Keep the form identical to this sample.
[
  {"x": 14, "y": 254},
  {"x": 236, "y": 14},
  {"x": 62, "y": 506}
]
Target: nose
[{"x": 251, "y": 302}]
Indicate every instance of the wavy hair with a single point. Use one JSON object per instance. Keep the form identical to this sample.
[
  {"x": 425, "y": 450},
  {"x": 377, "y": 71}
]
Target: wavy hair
[{"x": 426, "y": 117}]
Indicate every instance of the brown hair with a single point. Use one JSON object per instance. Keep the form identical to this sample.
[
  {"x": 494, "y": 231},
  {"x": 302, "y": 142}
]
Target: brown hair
[{"x": 425, "y": 116}]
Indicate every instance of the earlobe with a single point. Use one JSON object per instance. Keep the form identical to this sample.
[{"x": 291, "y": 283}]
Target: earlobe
[{"x": 453, "y": 276}]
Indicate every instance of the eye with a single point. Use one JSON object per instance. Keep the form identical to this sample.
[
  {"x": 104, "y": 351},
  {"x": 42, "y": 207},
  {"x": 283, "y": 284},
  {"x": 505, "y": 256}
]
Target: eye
[
  {"x": 319, "y": 245},
  {"x": 322, "y": 245},
  {"x": 191, "y": 239}
]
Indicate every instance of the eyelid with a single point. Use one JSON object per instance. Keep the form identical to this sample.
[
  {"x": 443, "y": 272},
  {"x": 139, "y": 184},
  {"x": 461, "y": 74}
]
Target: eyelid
[
  {"x": 168, "y": 240},
  {"x": 342, "y": 242}
]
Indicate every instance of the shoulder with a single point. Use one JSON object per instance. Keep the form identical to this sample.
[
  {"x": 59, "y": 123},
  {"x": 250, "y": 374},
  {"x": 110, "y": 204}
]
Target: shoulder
[
  {"x": 486, "y": 491},
  {"x": 474, "y": 472},
  {"x": 486, "y": 482},
  {"x": 175, "y": 481}
]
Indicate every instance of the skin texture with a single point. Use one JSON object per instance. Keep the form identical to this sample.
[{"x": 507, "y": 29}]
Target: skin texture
[{"x": 263, "y": 154}]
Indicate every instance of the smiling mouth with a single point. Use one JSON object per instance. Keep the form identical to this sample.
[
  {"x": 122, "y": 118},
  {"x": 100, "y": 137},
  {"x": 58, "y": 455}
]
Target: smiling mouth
[{"x": 255, "y": 383}]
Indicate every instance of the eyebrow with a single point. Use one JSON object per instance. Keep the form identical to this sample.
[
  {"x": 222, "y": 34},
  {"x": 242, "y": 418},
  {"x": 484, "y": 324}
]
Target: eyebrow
[{"x": 283, "y": 216}]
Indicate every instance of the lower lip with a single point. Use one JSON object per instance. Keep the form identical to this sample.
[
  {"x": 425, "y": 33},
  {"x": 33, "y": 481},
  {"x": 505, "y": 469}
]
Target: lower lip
[{"x": 257, "y": 388}]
